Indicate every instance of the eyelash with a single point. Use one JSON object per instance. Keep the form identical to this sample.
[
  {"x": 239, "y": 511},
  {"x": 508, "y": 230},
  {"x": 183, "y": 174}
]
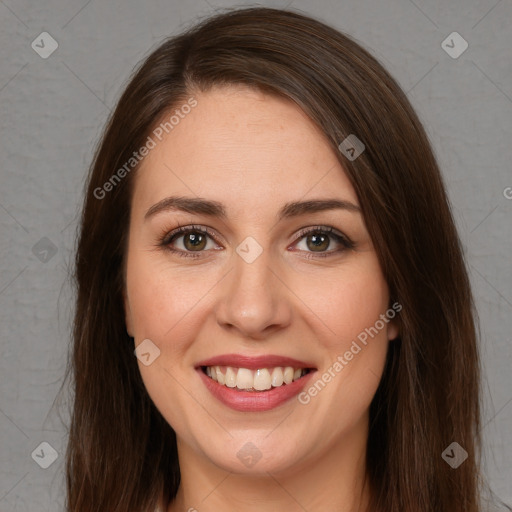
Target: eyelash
[{"x": 167, "y": 238}]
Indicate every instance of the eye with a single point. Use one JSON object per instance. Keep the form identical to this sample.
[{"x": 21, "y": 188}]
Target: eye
[
  {"x": 194, "y": 240},
  {"x": 319, "y": 238}
]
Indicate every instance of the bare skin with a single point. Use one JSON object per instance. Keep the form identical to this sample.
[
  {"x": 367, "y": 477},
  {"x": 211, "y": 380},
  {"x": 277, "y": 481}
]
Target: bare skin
[{"x": 254, "y": 153}]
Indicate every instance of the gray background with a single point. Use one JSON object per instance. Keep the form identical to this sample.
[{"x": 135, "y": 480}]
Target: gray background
[{"x": 51, "y": 114}]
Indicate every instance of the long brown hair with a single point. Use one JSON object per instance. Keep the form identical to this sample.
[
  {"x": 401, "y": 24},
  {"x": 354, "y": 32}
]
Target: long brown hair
[{"x": 121, "y": 452}]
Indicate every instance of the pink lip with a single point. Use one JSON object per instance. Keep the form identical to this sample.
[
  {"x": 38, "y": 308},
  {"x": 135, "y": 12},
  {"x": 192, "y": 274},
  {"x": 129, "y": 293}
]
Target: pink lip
[
  {"x": 254, "y": 363},
  {"x": 254, "y": 401}
]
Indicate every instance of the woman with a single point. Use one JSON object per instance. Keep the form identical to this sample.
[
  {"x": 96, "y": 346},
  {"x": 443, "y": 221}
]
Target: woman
[{"x": 273, "y": 310}]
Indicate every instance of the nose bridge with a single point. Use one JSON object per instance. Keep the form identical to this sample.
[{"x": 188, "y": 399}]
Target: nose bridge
[{"x": 253, "y": 299}]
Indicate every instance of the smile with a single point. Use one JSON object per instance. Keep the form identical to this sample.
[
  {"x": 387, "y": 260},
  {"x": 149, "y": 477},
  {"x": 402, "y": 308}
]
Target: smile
[
  {"x": 261, "y": 379},
  {"x": 254, "y": 383}
]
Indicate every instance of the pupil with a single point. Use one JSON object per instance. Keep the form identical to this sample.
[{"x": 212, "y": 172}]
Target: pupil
[
  {"x": 195, "y": 239},
  {"x": 318, "y": 240}
]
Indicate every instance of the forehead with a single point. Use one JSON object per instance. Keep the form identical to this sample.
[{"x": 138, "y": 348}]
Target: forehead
[{"x": 242, "y": 147}]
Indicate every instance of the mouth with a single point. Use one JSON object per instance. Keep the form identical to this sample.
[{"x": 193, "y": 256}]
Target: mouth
[
  {"x": 254, "y": 384},
  {"x": 262, "y": 379}
]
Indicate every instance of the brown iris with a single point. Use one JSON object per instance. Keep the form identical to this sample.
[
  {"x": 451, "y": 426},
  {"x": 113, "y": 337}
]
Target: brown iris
[
  {"x": 197, "y": 241},
  {"x": 318, "y": 241}
]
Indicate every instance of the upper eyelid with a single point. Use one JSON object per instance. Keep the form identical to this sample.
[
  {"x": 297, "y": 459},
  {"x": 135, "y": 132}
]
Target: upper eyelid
[{"x": 183, "y": 230}]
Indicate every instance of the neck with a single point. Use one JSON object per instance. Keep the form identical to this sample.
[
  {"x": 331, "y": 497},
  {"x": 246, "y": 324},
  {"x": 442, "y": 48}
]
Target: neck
[{"x": 334, "y": 480}]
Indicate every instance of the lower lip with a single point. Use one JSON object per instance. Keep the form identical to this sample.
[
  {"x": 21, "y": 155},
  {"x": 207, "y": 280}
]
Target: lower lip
[{"x": 254, "y": 401}]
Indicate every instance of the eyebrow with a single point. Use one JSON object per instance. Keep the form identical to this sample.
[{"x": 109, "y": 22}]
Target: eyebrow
[{"x": 197, "y": 205}]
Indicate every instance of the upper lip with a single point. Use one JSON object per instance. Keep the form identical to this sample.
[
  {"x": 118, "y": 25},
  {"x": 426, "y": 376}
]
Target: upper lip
[{"x": 254, "y": 362}]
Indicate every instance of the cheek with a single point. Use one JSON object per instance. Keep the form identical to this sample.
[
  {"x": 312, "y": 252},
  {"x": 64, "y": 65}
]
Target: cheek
[
  {"x": 165, "y": 307},
  {"x": 162, "y": 300},
  {"x": 347, "y": 309},
  {"x": 349, "y": 302}
]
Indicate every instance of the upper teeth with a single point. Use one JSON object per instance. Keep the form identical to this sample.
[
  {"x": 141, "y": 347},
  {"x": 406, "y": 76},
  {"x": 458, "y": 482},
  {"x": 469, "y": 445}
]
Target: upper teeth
[{"x": 259, "y": 380}]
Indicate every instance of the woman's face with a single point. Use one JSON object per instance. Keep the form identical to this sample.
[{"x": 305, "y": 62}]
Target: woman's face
[{"x": 267, "y": 289}]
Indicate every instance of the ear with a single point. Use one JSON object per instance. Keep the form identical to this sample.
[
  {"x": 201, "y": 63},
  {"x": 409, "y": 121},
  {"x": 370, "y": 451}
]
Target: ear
[
  {"x": 392, "y": 330},
  {"x": 394, "y": 321},
  {"x": 128, "y": 315}
]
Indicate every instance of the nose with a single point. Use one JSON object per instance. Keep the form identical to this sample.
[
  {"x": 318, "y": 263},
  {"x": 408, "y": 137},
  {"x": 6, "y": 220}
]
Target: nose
[{"x": 254, "y": 300}]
